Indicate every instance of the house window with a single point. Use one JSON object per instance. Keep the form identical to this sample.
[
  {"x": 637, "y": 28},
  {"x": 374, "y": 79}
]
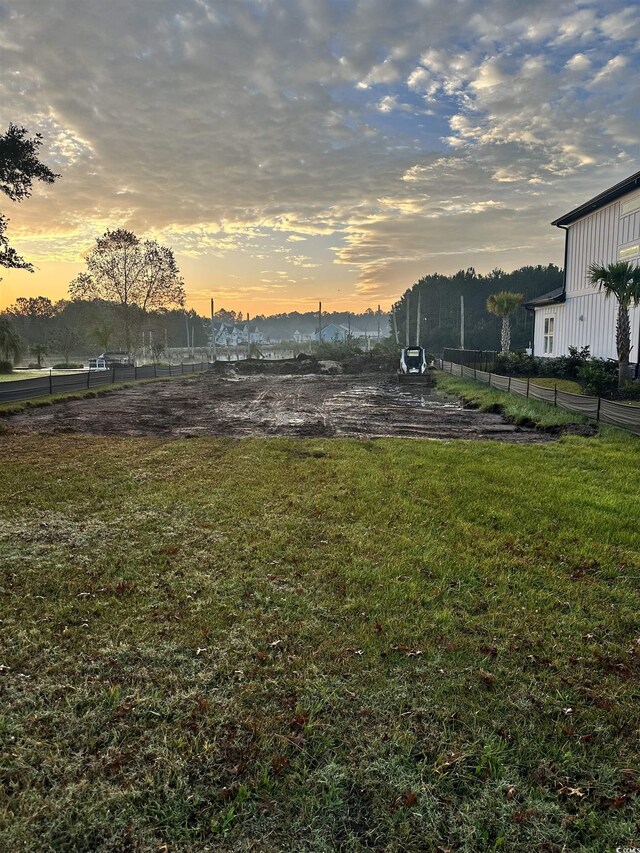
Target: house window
[
  {"x": 549, "y": 323},
  {"x": 630, "y": 206},
  {"x": 629, "y": 251}
]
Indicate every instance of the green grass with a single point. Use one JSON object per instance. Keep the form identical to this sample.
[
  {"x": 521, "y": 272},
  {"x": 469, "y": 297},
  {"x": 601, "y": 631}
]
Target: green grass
[
  {"x": 520, "y": 410},
  {"x": 318, "y": 645},
  {"x": 567, "y": 385},
  {"x": 32, "y": 374}
]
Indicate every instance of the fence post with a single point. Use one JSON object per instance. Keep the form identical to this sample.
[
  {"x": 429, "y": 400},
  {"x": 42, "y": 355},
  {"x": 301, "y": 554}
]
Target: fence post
[
  {"x": 598, "y": 412},
  {"x": 509, "y": 385},
  {"x": 89, "y": 378},
  {"x": 182, "y": 367},
  {"x": 527, "y": 386},
  {"x": 155, "y": 371},
  {"x": 555, "y": 394},
  {"x": 50, "y": 382},
  {"x": 113, "y": 377}
]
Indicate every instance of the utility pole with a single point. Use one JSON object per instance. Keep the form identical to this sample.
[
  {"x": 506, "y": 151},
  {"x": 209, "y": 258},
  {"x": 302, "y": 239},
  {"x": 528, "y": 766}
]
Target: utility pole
[
  {"x": 378, "y": 324},
  {"x": 213, "y": 333},
  {"x": 248, "y": 336},
  {"x": 395, "y": 326},
  {"x": 418, "y": 322},
  {"x": 408, "y": 320},
  {"x": 319, "y": 322},
  {"x": 186, "y": 324},
  {"x": 461, "y": 321}
]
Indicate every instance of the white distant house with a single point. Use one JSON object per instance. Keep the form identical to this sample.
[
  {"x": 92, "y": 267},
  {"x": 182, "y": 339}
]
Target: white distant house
[
  {"x": 603, "y": 230},
  {"x": 337, "y": 333},
  {"x": 230, "y": 335},
  {"x": 303, "y": 337}
]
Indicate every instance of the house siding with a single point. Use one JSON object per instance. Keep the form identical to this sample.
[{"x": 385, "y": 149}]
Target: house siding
[{"x": 595, "y": 238}]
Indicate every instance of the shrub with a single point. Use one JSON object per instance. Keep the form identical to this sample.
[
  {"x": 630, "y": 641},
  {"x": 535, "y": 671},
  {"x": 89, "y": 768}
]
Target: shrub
[
  {"x": 6, "y": 367},
  {"x": 68, "y": 365},
  {"x": 599, "y": 377},
  {"x": 515, "y": 364},
  {"x": 337, "y": 350}
]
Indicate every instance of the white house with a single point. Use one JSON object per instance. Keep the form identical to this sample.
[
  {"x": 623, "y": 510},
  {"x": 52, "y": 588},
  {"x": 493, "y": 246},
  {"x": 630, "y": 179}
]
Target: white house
[
  {"x": 603, "y": 230},
  {"x": 230, "y": 335},
  {"x": 337, "y": 333}
]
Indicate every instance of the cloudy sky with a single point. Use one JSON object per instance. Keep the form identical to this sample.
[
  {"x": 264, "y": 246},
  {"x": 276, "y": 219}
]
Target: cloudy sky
[{"x": 290, "y": 150}]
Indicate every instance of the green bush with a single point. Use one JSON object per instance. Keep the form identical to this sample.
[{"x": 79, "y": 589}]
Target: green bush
[
  {"x": 599, "y": 377},
  {"x": 337, "y": 350},
  {"x": 6, "y": 367},
  {"x": 68, "y": 365},
  {"x": 516, "y": 364}
]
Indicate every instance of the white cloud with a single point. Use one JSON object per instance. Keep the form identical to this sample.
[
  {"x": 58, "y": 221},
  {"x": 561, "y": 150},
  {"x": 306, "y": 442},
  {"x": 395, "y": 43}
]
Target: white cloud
[{"x": 220, "y": 125}]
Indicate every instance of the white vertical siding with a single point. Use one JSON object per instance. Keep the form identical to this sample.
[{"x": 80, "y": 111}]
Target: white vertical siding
[
  {"x": 597, "y": 329},
  {"x": 595, "y": 238}
]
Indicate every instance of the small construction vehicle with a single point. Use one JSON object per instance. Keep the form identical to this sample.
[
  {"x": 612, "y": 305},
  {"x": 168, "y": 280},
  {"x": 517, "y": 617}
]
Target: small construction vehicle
[{"x": 413, "y": 367}]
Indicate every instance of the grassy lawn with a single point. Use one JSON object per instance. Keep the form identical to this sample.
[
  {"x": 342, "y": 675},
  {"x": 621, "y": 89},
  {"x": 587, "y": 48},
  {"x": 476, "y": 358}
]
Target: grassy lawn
[
  {"x": 319, "y": 645},
  {"x": 567, "y": 385},
  {"x": 22, "y": 374},
  {"x": 32, "y": 374},
  {"x": 520, "y": 410}
]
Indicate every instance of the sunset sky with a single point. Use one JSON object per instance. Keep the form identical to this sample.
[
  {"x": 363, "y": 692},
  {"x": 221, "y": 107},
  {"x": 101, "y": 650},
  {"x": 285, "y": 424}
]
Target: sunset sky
[{"x": 296, "y": 150}]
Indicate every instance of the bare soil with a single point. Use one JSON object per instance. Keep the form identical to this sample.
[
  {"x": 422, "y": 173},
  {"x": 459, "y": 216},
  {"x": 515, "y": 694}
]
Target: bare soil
[{"x": 367, "y": 406}]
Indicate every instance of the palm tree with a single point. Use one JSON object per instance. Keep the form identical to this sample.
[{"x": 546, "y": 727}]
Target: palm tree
[
  {"x": 38, "y": 350},
  {"x": 10, "y": 343},
  {"x": 621, "y": 280},
  {"x": 504, "y": 304}
]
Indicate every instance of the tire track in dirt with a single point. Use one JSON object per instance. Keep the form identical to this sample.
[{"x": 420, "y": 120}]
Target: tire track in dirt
[{"x": 257, "y": 405}]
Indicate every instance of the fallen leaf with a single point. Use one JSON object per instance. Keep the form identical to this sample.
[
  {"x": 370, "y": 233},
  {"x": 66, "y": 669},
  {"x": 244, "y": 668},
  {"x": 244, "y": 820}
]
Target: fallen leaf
[{"x": 488, "y": 677}]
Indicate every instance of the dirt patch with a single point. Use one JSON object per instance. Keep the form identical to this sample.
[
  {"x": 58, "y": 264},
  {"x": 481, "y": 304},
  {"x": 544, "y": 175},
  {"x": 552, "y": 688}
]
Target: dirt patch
[{"x": 307, "y": 406}]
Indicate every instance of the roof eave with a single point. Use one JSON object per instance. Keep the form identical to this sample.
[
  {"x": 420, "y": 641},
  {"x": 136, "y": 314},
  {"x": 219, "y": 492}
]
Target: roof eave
[{"x": 612, "y": 194}]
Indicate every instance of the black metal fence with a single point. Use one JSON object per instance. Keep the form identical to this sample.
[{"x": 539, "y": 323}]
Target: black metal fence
[
  {"x": 620, "y": 415},
  {"x": 481, "y": 359},
  {"x": 56, "y": 383}
]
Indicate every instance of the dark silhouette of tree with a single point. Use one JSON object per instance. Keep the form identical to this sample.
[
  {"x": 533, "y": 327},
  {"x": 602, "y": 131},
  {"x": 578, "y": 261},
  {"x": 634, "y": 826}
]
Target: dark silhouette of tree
[
  {"x": 35, "y": 307},
  {"x": 20, "y": 166},
  {"x": 66, "y": 341},
  {"x": 38, "y": 351},
  {"x": 10, "y": 342},
  {"x": 138, "y": 277}
]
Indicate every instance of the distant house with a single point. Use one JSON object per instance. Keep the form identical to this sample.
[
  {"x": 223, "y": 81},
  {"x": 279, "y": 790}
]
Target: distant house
[
  {"x": 603, "y": 230},
  {"x": 234, "y": 334},
  {"x": 247, "y": 332},
  {"x": 335, "y": 333}
]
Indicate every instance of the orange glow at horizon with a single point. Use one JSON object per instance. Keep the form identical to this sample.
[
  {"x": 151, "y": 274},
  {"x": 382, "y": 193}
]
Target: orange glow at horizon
[{"x": 51, "y": 279}]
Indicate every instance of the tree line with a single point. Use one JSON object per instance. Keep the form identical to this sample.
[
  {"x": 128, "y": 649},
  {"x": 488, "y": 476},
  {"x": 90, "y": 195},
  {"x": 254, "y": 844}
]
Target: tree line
[{"x": 441, "y": 307}]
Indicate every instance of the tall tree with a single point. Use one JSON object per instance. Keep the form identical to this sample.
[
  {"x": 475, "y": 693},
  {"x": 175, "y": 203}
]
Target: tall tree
[
  {"x": 20, "y": 166},
  {"x": 504, "y": 304},
  {"x": 134, "y": 275},
  {"x": 10, "y": 342},
  {"x": 34, "y": 307},
  {"x": 622, "y": 281}
]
